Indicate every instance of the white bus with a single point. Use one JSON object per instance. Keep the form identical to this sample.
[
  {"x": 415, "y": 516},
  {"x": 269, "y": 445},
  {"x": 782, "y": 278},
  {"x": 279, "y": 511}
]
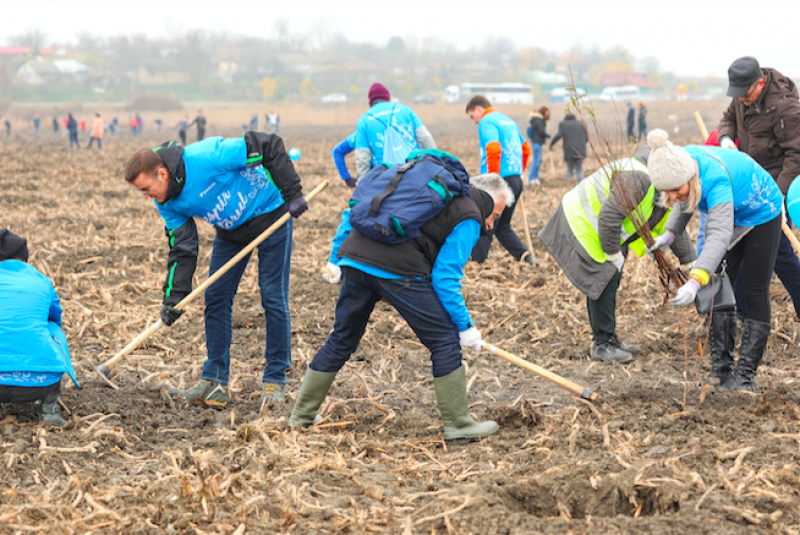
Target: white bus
[{"x": 508, "y": 93}]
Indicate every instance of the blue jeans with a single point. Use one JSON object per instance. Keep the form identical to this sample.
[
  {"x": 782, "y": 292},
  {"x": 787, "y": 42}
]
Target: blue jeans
[
  {"x": 536, "y": 153},
  {"x": 73, "y": 138},
  {"x": 274, "y": 255},
  {"x": 99, "y": 142},
  {"x": 414, "y": 299}
]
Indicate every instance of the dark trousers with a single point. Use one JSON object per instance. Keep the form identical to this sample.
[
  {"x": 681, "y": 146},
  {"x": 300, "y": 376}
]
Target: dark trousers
[
  {"x": 201, "y": 133},
  {"x": 603, "y": 312},
  {"x": 787, "y": 268},
  {"x": 182, "y": 133},
  {"x": 754, "y": 259},
  {"x": 574, "y": 165},
  {"x": 642, "y": 130},
  {"x": 631, "y": 134},
  {"x": 99, "y": 142},
  {"x": 414, "y": 299},
  {"x": 502, "y": 229},
  {"x": 274, "y": 255},
  {"x": 27, "y": 394},
  {"x": 73, "y": 139}
]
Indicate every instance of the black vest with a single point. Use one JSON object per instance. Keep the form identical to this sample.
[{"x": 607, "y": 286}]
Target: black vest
[{"x": 415, "y": 258}]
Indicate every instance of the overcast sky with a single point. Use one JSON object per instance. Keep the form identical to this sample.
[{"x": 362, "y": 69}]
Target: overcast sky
[{"x": 692, "y": 38}]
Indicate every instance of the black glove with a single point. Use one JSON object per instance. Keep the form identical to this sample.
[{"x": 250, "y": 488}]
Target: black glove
[
  {"x": 351, "y": 182},
  {"x": 297, "y": 207},
  {"x": 169, "y": 314}
]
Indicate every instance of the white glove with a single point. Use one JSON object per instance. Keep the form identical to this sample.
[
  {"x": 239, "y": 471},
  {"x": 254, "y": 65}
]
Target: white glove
[
  {"x": 686, "y": 294},
  {"x": 335, "y": 276},
  {"x": 727, "y": 143},
  {"x": 689, "y": 265},
  {"x": 471, "y": 339},
  {"x": 663, "y": 241},
  {"x": 617, "y": 260}
]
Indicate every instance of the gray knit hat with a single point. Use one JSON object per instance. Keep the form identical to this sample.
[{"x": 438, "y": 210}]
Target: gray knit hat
[
  {"x": 13, "y": 246},
  {"x": 670, "y": 167}
]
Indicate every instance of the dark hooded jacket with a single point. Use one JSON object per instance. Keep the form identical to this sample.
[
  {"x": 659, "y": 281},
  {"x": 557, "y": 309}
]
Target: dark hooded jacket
[
  {"x": 574, "y": 135},
  {"x": 538, "y": 130},
  {"x": 769, "y": 130}
]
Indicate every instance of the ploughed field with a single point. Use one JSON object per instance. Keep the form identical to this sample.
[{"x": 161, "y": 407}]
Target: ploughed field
[{"x": 659, "y": 452}]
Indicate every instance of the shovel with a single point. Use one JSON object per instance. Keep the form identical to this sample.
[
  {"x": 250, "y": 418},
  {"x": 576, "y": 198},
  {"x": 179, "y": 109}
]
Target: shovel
[{"x": 105, "y": 368}]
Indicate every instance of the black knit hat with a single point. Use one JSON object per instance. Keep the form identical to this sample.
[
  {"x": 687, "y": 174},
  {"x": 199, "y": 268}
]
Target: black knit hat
[{"x": 13, "y": 246}]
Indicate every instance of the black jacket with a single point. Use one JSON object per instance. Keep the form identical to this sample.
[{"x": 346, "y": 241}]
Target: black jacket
[
  {"x": 631, "y": 117},
  {"x": 538, "y": 131},
  {"x": 571, "y": 129}
]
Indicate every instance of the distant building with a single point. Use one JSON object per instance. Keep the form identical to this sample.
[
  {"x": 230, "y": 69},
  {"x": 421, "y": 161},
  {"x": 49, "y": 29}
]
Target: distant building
[{"x": 39, "y": 71}]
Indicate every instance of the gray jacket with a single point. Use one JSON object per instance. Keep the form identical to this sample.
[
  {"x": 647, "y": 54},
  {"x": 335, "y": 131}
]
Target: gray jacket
[{"x": 589, "y": 276}]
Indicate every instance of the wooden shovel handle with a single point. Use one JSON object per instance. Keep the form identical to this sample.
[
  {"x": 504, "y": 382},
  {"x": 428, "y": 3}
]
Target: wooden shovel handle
[
  {"x": 566, "y": 384},
  {"x": 105, "y": 367}
]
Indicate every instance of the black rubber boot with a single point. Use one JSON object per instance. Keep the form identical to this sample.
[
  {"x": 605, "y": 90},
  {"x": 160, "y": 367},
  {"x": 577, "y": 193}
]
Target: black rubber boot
[
  {"x": 754, "y": 339},
  {"x": 723, "y": 342},
  {"x": 50, "y": 410}
]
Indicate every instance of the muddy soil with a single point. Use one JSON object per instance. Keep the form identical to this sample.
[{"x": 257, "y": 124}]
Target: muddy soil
[{"x": 661, "y": 451}]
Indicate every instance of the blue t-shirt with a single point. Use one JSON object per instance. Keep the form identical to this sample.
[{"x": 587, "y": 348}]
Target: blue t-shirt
[
  {"x": 495, "y": 126},
  {"x": 219, "y": 188},
  {"x": 755, "y": 195},
  {"x": 372, "y": 125}
]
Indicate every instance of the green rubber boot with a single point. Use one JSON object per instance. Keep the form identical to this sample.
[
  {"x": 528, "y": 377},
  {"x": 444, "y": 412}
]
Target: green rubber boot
[
  {"x": 312, "y": 393},
  {"x": 451, "y": 393}
]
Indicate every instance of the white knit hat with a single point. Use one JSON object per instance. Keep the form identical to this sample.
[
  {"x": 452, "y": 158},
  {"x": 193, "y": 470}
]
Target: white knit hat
[{"x": 670, "y": 167}]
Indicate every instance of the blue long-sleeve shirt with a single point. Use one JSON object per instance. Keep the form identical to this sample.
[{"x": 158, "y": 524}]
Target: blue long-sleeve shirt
[
  {"x": 341, "y": 234},
  {"x": 345, "y": 147},
  {"x": 448, "y": 269}
]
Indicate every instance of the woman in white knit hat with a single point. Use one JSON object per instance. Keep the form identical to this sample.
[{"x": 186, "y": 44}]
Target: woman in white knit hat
[{"x": 744, "y": 207}]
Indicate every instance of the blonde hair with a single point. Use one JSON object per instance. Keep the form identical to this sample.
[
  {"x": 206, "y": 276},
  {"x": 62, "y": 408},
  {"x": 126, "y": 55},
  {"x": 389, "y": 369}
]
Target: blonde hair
[{"x": 695, "y": 192}]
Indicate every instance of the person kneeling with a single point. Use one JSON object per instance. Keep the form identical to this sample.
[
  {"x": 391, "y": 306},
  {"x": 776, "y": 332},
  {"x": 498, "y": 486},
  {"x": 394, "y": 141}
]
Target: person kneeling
[
  {"x": 33, "y": 348},
  {"x": 421, "y": 279}
]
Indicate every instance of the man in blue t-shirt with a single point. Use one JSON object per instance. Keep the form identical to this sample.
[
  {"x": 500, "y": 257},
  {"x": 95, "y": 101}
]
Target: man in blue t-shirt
[
  {"x": 241, "y": 186},
  {"x": 33, "y": 349},
  {"x": 503, "y": 151},
  {"x": 387, "y": 132}
]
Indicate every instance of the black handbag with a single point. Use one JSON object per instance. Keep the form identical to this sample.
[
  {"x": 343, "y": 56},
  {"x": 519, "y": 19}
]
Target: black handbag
[{"x": 717, "y": 294}]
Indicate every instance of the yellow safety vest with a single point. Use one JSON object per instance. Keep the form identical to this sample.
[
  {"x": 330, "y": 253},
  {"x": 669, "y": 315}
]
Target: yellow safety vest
[{"x": 583, "y": 203}]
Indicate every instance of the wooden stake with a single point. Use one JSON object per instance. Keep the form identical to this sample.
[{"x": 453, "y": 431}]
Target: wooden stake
[
  {"x": 527, "y": 230},
  {"x": 702, "y": 125}
]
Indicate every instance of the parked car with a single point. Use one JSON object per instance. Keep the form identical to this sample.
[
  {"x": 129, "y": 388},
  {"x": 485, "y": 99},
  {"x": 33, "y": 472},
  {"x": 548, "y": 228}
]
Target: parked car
[
  {"x": 424, "y": 99},
  {"x": 334, "y": 98}
]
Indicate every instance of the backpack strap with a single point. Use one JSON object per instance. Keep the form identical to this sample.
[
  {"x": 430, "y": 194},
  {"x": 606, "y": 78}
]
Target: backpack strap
[{"x": 391, "y": 187}]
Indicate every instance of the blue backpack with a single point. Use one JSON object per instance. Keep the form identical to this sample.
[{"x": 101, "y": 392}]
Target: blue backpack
[{"x": 391, "y": 204}]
